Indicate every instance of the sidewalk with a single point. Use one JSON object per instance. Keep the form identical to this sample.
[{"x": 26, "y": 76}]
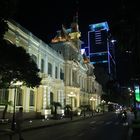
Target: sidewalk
[{"x": 40, "y": 123}]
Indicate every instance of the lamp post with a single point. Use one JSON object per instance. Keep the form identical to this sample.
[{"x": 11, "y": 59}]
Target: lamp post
[{"x": 15, "y": 86}]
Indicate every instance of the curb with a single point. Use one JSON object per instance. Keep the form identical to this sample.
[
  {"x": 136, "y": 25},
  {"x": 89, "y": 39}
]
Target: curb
[
  {"x": 59, "y": 123},
  {"x": 53, "y": 124}
]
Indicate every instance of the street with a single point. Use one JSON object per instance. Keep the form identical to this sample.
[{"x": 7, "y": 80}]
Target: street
[{"x": 104, "y": 127}]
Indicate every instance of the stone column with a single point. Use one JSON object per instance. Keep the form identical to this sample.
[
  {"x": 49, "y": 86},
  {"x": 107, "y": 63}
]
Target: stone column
[
  {"x": 11, "y": 98},
  {"x": 39, "y": 61},
  {"x": 62, "y": 97},
  {"x": 67, "y": 75},
  {"x": 44, "y": 97},
  {"x": 70, "y": 76},
  {"x": 58, "y": 73},
  {"x": 26, "y": 99},
  {"x": 48, "y": 96},
  {"x": 78, "y": 99},
  {"x": 39, "y": 99},
  {"x": 59, "y": 96},
  {"x": 53, "y": 70}
]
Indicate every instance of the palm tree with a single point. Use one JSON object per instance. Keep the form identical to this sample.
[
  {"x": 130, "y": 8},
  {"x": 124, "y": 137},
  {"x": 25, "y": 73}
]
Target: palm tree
[
  {"x": 55, "y": 104},
  {"x": 67, "y": 108}
]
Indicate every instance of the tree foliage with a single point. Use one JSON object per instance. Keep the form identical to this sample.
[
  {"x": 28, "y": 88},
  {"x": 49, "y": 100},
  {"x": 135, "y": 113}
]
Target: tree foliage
[
  {"x": 17, "y": 65},
  {"x": 56, "y": 105}
]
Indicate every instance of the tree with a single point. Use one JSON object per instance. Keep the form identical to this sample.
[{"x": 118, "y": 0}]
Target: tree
[
  {"x": 6, "y": 103},
  {"x": 55, "y": 104},
  {"x": 17, "y": 65},
  {"x": 67, "y": 108}
]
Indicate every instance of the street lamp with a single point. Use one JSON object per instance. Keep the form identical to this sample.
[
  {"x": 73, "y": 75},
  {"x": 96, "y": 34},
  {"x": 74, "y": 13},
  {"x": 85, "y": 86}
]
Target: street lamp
[
  {"x": 93, "y": 99},
  {"x": 14, "y": 85}
]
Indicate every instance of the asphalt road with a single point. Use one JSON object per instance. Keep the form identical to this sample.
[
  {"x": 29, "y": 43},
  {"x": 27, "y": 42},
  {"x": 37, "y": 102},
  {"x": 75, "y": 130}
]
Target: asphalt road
[{"x": 104, "y": 127}]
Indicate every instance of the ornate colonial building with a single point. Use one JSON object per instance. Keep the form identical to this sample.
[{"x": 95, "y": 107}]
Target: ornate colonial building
[{"x": 67, "y": 75}]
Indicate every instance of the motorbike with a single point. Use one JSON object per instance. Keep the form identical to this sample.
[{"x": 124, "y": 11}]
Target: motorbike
[{"x": 123, "y": 117}]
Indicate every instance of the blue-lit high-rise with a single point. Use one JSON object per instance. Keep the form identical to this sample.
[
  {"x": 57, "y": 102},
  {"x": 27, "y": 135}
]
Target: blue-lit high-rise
[{"x": 102, "y": 51}]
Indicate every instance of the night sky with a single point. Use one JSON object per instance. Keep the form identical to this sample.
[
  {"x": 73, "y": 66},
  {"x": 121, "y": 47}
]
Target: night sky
[{"x": 43, "y": 18}]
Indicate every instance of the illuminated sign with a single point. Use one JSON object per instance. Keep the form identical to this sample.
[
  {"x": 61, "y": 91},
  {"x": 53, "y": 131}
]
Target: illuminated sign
[{"x": 137, "y": 93}]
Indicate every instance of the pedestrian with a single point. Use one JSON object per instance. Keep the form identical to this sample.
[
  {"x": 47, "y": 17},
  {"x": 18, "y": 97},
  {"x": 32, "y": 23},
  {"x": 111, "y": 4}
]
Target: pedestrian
[
  {"x": 19, "y": 122},
  {"x": 71, "y": 115}
]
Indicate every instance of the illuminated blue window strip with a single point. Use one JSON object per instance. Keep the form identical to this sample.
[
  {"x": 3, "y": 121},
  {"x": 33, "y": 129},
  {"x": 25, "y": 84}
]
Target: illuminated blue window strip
[
  {"x": 97, "y": 35},
  {"x": 98, "y": 38},
  {"x": 99, "y": 53},
  {"x": 99, "y": 62},
  {"x": 97, "y": 31},
  {"x": 97, "y": 41}
]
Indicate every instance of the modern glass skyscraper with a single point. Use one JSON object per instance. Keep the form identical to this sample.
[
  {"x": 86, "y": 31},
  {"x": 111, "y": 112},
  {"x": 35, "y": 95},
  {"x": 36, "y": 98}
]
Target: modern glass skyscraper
[{"x": 101, "y": 48}]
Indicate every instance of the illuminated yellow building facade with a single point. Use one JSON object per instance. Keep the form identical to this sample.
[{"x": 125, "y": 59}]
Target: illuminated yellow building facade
[{"x": 66, "y": 77}]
